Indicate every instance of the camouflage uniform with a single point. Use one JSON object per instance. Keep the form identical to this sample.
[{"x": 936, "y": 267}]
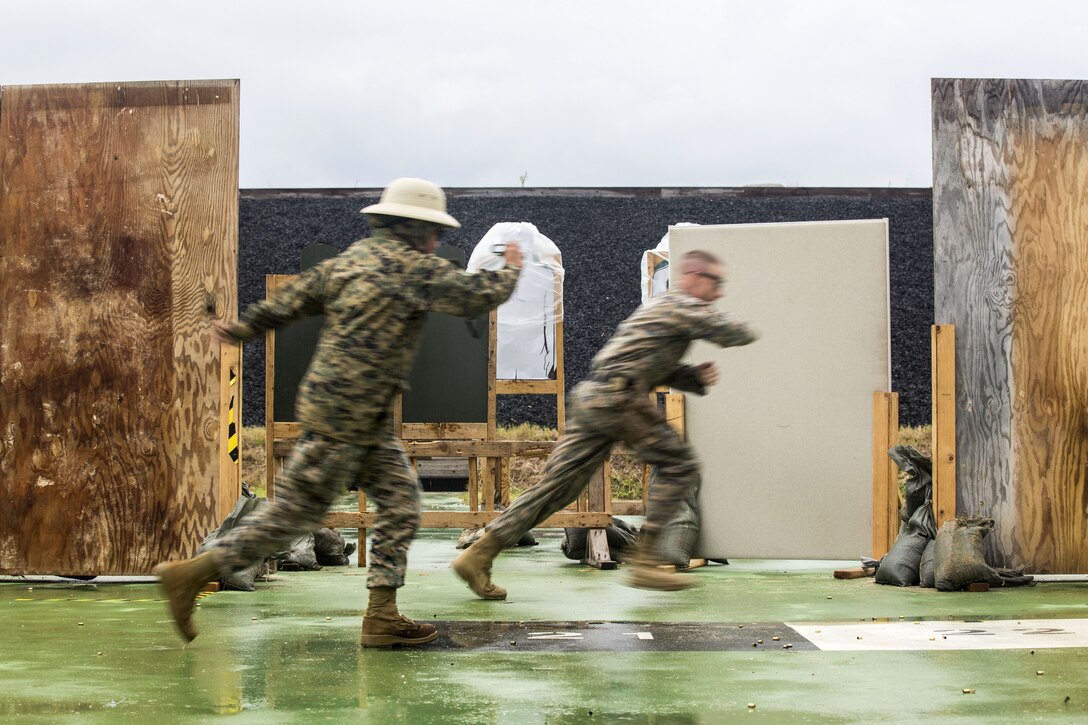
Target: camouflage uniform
[
  {"x": 375, "y": 296},
  {"x": 613, "y": 404}
]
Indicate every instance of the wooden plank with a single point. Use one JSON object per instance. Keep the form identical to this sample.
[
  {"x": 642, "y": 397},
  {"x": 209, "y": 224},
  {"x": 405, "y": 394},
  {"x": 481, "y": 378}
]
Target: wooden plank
[
  {"x": 285, "y": 430},
  {"x": 473, "y": 484},
  {"x": 526, "y": 387},
  {"x": 675, "y": 408},
  {"x": 858, "y": 572},
  {"x": 444, "y": 431},
  {"x": 118, "y": 248},
  {"x": 597, "y": 552},
  {"x": 271, "y": 282},
  {"x": 456, "y": 448},
  {"x": 885, "y": 472},
  {"x": 465, "y": 519},
  {"x": 398, "y": 416},
  {"x": 504, "y": 482},
  {"x": 492, "y": 355},
  {"x": 943, "y": 431},
  {"x": 1010, "y": 206},
  {"x": 442, "y": 467},
  {"x": 488, "y": 493},
  {"x": 628, "y": 508},
  {"x": 560, "y": 375}
]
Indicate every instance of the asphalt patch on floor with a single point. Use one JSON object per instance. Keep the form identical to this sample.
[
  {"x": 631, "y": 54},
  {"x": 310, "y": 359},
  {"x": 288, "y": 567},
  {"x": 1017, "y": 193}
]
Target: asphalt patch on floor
[{"x": 618, "y": 637}]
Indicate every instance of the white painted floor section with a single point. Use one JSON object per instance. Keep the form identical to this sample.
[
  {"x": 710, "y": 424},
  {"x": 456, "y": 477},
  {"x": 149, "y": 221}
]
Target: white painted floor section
[{"x": 947, "y": 634}]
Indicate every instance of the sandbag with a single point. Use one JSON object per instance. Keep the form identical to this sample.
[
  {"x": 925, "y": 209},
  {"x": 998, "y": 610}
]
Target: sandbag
[
  {"x": 960, "y": 554},
  {"x": 298, "y": 555},
  {"x": 330, "y": 548},
  {"x": 901, "y": 565},
  {"x": 622, "y": 539},
  {"x": 469, "y": 536},
  {"x": 926, "y": 569},
  {"x": 918, "y": 488},
  {"x": 242, "y": 580}
]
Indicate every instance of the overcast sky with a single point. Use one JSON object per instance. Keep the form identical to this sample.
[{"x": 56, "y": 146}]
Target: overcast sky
[{"x": 569, "y": 92}]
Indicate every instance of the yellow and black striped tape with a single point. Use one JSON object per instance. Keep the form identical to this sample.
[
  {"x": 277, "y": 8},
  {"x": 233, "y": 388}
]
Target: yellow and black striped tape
[{"x": 232, "y": 427}]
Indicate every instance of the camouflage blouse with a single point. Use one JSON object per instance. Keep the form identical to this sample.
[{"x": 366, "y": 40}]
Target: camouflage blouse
[{"x": 648, "y": 346}]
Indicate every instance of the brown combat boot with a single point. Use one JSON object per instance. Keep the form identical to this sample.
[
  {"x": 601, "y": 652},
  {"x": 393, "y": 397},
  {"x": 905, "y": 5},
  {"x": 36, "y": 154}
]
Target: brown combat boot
[
  {"x": 181, "y": 581},
  {"x": 474, "y": 566},
  {"x": 649, "y": 571},
  {"x": 383, "y": 625}
]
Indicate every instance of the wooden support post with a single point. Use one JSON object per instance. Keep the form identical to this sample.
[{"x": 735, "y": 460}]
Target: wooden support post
[
  {"x": 943, "y": 339},
  {"x": 597, "y": 552},
  {"x": 270, "y": 285},
  {"x": 504, "y": 482},
  {"x": 675, "y": 411},
  {"x": 885, "y": 472},
  {"x": 492, "y": 369},
  {"x": 473, "y": 484},
  {"x": 488, "y": 493},
  {"x": 561, "y": 391}
]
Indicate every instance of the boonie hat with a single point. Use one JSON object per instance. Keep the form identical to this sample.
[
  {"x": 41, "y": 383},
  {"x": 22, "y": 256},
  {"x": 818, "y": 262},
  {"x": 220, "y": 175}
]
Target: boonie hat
[{"x": 414, "y": 199}]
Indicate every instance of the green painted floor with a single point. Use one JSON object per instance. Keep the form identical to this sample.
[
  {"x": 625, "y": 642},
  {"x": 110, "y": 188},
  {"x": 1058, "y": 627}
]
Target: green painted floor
[{"x": 288, "y": 652}]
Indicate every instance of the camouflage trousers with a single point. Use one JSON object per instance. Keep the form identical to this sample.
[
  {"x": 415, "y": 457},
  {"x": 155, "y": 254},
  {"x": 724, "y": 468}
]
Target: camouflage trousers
[
  {"x": 318, "y": 471},
  {"x": 600, "y": 417}
]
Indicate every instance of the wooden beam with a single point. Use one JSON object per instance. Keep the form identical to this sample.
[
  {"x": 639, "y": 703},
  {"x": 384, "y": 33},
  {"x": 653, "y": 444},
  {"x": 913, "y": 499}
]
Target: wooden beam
[
  {"x": 675, "y": 412},
  {"x": 628, "y": 508},
  {"x": 444, "y": 431},
  {"x": 473, "y": 483},
  {"x": 487, "y": 493},
  {"x": 885, "y": 472},
  {"x": 526, "y": 387},
  {"x": 943, "y": 341},
  {"x": 466, "y": 519},
  {"x": 492, "y": 370},
  {"x": 560, "y": 379},
  {"x": 598, "y": 554},
  {"x": 454, "y": 449}
]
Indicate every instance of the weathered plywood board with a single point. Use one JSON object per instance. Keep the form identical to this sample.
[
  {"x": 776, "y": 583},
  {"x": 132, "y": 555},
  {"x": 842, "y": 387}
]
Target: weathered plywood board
[
  {"x": 118, "y": 247},
  {"x": 786, "y": 438},
  {"x": 1010, "y": 223}
]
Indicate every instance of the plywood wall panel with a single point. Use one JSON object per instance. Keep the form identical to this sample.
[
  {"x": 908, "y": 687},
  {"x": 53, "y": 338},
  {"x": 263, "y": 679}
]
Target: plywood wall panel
[
  {"x": 1010, "y": 205},
  {"x": 118, "y": 226},
  {"x": 786, "y": 438}
]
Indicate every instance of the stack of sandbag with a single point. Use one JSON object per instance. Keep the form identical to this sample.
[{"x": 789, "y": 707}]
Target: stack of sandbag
[
  {"x": 324, "y": 547},
  {"x": 959, "y": 557},
  {"x": 243, "y": 580},
  {"x": 331, "y": 549},
  {"x": 902, "y": 565}
]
